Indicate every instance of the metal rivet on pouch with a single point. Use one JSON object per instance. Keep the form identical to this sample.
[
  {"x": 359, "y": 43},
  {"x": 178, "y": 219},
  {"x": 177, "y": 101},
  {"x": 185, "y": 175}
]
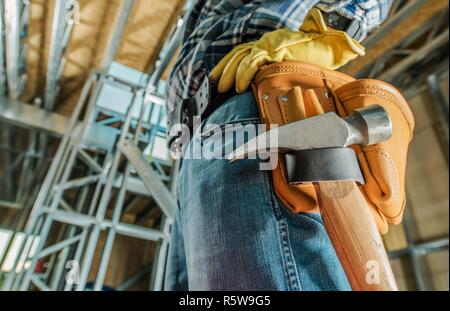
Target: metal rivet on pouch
[
  {"x": 265, "y": 97},
  {"x": 327, "y": 94},
  {"x": 284, "y": 99}
]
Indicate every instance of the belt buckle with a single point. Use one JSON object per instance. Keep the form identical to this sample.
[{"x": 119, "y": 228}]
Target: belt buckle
[
  {"x": 354, "y": 30},
  {"x": 351, "y": 27}
]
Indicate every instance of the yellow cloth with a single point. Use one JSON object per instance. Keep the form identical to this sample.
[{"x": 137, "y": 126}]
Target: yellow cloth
[{"x": 314, "y": 44}]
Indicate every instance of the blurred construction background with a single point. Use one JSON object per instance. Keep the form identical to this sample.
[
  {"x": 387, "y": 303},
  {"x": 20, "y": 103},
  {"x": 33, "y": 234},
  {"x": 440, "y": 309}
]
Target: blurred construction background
[{"x": 85, "y": 176}]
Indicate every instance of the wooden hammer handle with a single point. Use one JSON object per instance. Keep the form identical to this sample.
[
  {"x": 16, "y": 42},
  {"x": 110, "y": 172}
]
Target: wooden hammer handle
[{"x": 355, "y": 236}]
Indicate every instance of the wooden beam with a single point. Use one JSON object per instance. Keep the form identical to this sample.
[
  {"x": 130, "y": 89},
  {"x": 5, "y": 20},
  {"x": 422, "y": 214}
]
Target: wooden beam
[
  {"x": 404, "y": 64},
  {"x": 398, "y": 34}
]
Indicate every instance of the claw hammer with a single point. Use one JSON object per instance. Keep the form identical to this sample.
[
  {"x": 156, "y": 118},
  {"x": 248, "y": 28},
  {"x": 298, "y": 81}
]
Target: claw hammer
[{"x": 345, "y": 213}]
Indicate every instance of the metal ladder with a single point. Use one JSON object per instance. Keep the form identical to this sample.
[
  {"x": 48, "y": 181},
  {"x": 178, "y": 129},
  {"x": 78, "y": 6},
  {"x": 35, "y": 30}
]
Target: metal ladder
[{"x": 102, "y": 151}]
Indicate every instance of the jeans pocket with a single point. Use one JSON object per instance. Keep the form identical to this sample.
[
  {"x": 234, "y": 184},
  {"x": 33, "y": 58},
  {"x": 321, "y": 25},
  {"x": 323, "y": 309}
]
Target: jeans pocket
[{"x": 214, "y": 142}]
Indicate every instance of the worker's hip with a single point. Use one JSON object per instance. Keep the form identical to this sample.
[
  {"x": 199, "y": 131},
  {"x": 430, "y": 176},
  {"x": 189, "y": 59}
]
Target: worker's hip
[
  {"x": 236, "y": 232},
  {"x": 231, "y": 125}
]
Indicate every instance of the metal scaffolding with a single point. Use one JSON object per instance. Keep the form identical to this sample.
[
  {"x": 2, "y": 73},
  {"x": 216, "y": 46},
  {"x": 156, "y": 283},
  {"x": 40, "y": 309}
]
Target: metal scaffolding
[
  {"x": 101, "y": 185},
  {"x": 99, "y": 160},
  {"x": 61, "y": 29},
  {"x": 2, "y": 52},
  {"x": 16, "y": 18},
  {"x": 120, "y": 24}
]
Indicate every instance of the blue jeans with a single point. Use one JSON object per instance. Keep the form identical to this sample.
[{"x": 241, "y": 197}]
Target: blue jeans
[{"x": 232, "y": 233}]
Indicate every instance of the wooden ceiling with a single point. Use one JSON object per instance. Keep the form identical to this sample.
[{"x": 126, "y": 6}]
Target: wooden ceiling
[
  {"x": 146, "y": 31},
  {"x": 142, "y": 39},
  {"x": 404, "y": 29}
]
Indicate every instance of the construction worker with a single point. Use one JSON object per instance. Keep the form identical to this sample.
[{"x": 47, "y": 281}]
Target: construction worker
[{"x": 239, "y": 227}]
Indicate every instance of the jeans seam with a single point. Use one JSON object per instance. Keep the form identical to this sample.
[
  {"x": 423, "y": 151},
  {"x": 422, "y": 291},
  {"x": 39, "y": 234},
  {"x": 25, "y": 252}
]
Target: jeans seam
[
  {"x": 285, "y": 244},
  {"x": 313, "y": 219}
]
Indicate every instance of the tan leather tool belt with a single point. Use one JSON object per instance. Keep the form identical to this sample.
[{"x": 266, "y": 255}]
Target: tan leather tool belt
[{"x": 291, "y": 91}]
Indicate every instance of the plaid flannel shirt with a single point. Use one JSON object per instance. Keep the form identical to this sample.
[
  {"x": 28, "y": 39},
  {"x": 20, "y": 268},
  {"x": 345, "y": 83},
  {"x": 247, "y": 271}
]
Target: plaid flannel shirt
[{"x": 215, "y": 27}]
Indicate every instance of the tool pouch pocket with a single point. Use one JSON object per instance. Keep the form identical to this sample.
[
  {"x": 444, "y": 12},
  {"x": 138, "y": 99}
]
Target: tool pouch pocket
[
  {"x": 383, "y": 164},
  {"x": 290, "y": 91}
]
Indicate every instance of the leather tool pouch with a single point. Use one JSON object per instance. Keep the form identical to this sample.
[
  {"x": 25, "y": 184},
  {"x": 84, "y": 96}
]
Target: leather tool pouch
[{"x": 291, "y": 91}]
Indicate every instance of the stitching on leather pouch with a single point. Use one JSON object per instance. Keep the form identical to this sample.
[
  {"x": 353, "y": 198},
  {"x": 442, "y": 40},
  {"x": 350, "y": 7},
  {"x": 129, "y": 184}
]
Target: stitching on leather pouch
[
  {"x": 308, "y": 72},
  {"x": 327, "y": 101},
  {"x": 370, "y": 83},
  {"x": 292, "y": 68},
  {"x": 385, "y": 155},
  {"x": 330, "y": 100},
  {"x": 391, "y": 98},
  {"x": 322, "y": 74},
  {"x": 367, "y": 89},
  {"x": 335, "y": 100},
  {"x": 269, "y": 112},
  {"x": 330, "y": 104},
  {"x": 285, "y": 112},
  {"x": 402, "y": 209},
  {"x": 261, "y": 104}
]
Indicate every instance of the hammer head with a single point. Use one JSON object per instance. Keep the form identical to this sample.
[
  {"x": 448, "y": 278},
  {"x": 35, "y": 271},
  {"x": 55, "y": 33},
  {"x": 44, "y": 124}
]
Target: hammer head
[{"x": 366, "y": 126}]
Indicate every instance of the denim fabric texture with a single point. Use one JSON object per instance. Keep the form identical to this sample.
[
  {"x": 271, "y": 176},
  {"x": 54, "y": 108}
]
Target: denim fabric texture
[{"x": 232, "y": 233}]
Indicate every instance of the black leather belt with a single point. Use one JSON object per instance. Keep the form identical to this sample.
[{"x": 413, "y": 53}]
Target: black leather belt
[
  {"x": 301, "y": 166},
  {"x": 204, "y": 102}
]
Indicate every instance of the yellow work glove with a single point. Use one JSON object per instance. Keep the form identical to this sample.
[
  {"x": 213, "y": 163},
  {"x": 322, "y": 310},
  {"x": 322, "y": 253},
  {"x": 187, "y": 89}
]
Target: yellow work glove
[{"x": 314, "y": 44}]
